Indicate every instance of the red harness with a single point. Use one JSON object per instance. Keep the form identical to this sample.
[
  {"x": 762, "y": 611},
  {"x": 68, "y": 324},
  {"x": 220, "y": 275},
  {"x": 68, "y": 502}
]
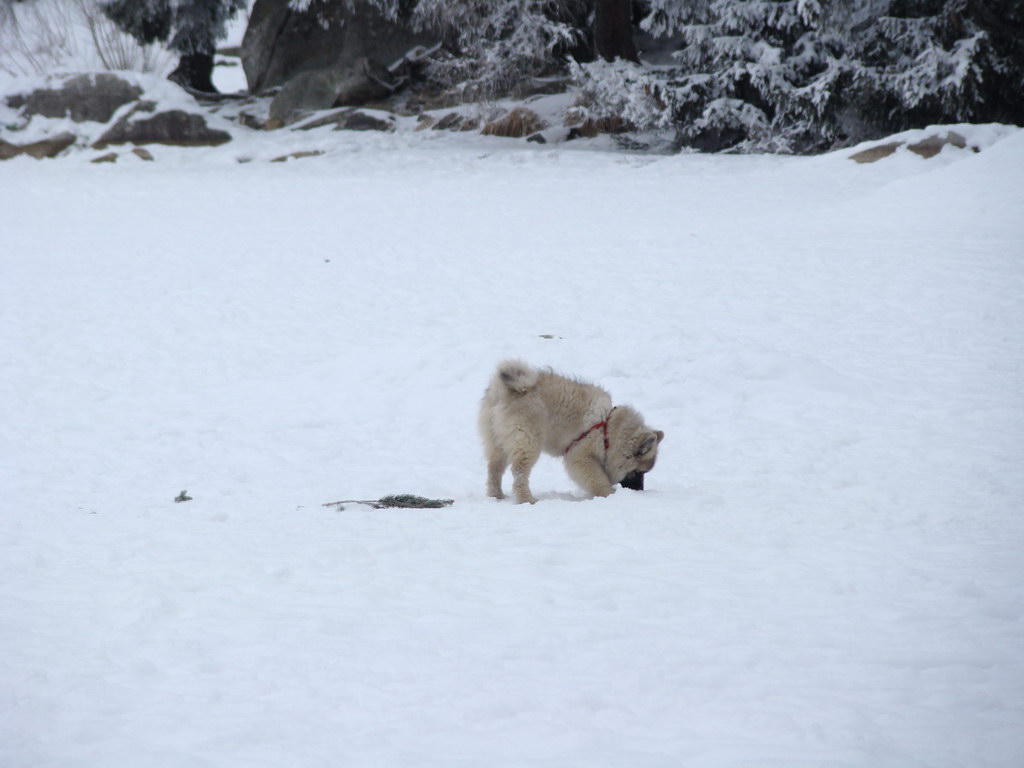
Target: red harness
[{"x": 602, "y": 425}]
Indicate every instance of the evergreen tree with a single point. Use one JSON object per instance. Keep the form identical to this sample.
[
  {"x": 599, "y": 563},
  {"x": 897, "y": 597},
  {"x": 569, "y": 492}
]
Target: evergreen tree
[
  {"x": 189, "y": 27},
  {"x": 737, "y": 75},
  {"x": 804, "y": 75},
  {"x": 928, "y": 61}
]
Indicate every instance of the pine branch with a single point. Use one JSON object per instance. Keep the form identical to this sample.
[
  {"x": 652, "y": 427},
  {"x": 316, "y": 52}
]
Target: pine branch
[{"x": 401, "y": 500}]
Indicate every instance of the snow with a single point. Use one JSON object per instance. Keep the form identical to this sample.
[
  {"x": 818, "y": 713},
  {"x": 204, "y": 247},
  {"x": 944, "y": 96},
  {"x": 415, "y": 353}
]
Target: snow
[
  {"x": 70, "y": 35},
  {"x": 825, "y": 569}
]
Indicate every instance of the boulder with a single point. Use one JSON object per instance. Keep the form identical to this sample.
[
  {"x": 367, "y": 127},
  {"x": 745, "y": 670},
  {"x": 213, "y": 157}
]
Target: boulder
[
  {"x": 175, "y": 127},
  {"x": 49, "y": 147},
  {"x": 352, "y": 120},
  {"x": 8, "y": 150},
  {"x": 315, "y": 90},
  {"x": 279, "y": 42},
  {"x": 873, "y": 154},
  {"x": 453, "y": 121},
  {"x": 932, "y": 145},
  {"x": 360, "y": 121},
  {"x": 91, "y": 97},
  {"x": 929, "y": 146}
]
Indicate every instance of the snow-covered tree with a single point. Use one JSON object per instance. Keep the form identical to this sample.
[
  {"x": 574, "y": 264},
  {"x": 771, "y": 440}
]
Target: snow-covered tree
[
  {"x": 756, "y": 74},
  {"x": 191, "y": 28},
  {"x": 737, "y": 75},
  {"x": 803, "y": 75},
  {"x": 924, "y": 61}
]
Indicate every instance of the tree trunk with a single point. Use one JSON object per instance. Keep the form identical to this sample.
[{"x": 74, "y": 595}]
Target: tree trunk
[
  {"x": 195, "y": 71},
  {"x": 613, "y": 30}
]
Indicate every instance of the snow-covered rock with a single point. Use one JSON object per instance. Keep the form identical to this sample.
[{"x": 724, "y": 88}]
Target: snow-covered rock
[
  {"x": 147, "y": 124},
  {"x": 319, "y": 89},
  {"x": 279, "y": 42},
  {"x": 48, "y": 147},
  {"x": 43, "y": 116},
  {"x": 92, "y": 97}
]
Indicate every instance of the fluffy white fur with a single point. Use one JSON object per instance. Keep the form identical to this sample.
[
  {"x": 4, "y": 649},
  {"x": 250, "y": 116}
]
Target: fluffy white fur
[{"x": 526, "y": 411}]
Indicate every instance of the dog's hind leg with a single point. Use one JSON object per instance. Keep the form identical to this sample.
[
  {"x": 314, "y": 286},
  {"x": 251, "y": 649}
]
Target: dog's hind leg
[
  {"x": 497, "y": 460},
  {"x": 588, "y": 474},
  {"x": 524, "y": 456}
]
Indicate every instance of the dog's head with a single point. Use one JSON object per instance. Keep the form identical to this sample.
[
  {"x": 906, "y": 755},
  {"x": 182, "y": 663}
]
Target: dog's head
[
  {"x": 633, "y": 448},
  {"x": 642, "y": 459}
]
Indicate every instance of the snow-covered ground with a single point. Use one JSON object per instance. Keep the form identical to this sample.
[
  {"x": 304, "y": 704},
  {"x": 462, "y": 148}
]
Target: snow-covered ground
[{"x": 826, "y": 568}]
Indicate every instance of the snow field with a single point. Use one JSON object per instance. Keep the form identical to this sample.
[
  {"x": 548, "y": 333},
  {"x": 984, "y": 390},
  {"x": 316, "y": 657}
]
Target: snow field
[{"x": 825, "y": 570}]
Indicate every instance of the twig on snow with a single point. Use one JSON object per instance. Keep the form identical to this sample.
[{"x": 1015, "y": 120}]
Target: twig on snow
[{"x": 401, "y": 500}]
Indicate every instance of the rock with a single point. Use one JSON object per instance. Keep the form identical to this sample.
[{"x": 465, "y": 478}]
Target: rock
[
  {"x": 319, "y": 89},
  {"x": 298, "y": 155},
  {"x": 92, "y": 97},
  {"x": 174, "y": 127},
  {"x": 350, "y": 120},
  {"x": 932, "y": 145},
  {"x": 360, "y": 121},
  {"x": 145, "y": 154},
  {"x": 279, "y": 42},
  {"x": 49, "y": 147},
  {"x": 453, "y": 121},
  {"x": 872, "y": 154},
  {"x": 306, "y": 92},
  {"x": 334, "y": 118},
  {"x": 250, "y": 121},
  {"x": 110, "y": 157},
  {"x": 8, "y": 150}
]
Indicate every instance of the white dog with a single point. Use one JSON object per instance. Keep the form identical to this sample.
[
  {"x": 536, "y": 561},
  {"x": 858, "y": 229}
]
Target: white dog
[{"x": 526, "y": 411}]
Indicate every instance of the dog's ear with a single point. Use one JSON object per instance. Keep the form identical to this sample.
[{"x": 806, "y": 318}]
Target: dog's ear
[{"x": 650, "y": 440}]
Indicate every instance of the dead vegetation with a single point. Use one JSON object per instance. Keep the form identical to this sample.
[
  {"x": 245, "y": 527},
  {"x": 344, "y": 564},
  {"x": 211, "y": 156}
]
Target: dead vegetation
[{"x": 516, "y": 124}]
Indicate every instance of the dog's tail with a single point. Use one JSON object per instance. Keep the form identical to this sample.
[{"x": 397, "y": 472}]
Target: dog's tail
[{"x": 517, "y": 376}]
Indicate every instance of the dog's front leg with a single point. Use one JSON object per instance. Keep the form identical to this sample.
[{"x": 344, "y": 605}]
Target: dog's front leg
[
  {"x": 587, "y": 472},
  {"x": 495, "y": 469}
]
